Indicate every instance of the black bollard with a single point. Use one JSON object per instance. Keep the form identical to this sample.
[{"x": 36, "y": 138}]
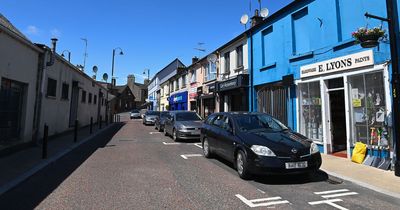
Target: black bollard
[
  {"x": 76, "y": 131},
  {"x": 45, "y": 136},
  {"x": 100, "y": 122},
  {"x": 91, "y": 125}
]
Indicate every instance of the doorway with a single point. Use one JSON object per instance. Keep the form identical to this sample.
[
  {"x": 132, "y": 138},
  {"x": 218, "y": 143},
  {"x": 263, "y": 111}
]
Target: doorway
[{"x": 337, "y": 117}]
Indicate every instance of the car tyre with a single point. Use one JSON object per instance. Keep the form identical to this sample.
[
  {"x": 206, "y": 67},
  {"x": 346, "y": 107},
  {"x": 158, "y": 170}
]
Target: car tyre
[
  {"x": 206, "y": 148},
  {"x": 174, "y": 135},
  {"x": 241, "y": 165}
]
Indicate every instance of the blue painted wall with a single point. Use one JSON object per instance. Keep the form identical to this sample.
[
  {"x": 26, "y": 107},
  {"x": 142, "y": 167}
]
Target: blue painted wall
[{"x": 306, "y": 32}]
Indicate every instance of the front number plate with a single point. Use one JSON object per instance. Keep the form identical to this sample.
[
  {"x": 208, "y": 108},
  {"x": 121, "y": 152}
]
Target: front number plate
[{"x": 292, "y": 165}]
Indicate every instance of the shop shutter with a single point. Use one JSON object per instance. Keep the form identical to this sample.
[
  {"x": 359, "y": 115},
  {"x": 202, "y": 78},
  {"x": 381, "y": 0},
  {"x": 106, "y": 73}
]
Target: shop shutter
[{"x": 273, "y": 101}]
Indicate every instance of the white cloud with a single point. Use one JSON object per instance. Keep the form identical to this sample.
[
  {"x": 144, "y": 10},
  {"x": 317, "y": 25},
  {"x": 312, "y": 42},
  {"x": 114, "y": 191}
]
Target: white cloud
[
  {"x": 55, "y": 33},
  {"x": 32, "y": 30}
]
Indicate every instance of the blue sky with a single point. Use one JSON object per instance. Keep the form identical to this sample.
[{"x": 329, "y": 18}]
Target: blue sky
[{"x": 150, "y": 33}]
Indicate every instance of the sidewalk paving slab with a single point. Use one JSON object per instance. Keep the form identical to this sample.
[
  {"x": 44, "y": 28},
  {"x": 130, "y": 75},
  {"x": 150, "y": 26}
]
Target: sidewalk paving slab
[{"x": 366, "y": 176}]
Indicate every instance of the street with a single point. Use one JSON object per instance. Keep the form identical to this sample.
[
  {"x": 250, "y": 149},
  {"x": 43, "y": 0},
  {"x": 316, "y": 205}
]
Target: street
[{"x": 137, "y": 167}]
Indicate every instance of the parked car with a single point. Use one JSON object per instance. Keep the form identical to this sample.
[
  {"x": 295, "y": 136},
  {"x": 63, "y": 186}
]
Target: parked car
[
  {"x": 183, "y": 125},
  {"x": 257, "y": 143},
  {"x": 135, "y": 114},
  {"x": 150, "y": 117},
  {"x": 160, "y": 120},
  {"x": 142, "y": 112}
]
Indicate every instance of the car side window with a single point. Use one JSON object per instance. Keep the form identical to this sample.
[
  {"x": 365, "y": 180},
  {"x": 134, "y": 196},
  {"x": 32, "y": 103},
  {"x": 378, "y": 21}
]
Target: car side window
[
  {"x": 210, "y": 119},
  {"x": 227, "y": 125},
  {"x": 218, "y": 121}
]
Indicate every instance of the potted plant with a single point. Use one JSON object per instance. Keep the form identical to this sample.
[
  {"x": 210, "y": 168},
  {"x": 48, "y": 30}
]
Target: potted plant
[{"x": 368, "y": 37}]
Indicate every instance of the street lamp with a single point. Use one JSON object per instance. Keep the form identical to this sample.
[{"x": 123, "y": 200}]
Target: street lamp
[
  {"x": 112, "y": 66},
  {"x": 148, "y": 73},
  {"x": 69, "y": 55}
]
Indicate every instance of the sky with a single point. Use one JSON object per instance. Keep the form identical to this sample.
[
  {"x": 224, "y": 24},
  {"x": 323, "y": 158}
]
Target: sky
[{"x": 151, "y": 34}]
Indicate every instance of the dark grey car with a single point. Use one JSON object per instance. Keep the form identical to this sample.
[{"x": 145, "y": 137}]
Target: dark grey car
[
  {"x": 160, "y": 121},
  {"x": 149, "y": 117},
  {"x": 183, "y": 125}
]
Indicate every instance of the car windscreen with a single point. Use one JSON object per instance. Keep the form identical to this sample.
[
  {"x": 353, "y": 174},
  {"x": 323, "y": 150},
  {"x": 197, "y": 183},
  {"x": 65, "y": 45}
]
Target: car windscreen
[
  {"x": 187, "y": 116},
  {"x": 164, "y": 114},
  {"x": 248, "y": 122},
  {"x": 152, "y": 113},
  {"x": 135, "y": 111}
]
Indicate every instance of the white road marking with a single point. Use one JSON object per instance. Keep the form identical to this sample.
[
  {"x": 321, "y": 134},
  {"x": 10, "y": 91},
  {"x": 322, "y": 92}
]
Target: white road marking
[
  {"x": 167, "y": 143},
  {"x": 256, "y": 202},
  {"x": 198, "y": 145},
  {"x": 190, "y": 155},
  {"x": 261, "y": 191},
  {"x": 151, "y": 133},
  {"x": 331, "y": 191},
  {"x": 329, "y": 202},
  {"x": 339, "y": 195}
]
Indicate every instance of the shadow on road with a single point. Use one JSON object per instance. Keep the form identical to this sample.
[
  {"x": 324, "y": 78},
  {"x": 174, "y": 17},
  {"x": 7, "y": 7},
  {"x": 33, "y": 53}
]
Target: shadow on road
[{"x": 34, "y": 190}]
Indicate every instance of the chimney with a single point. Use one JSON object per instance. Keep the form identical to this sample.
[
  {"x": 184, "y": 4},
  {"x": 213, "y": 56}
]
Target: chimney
[
  {"x": 256, "y": 19},
  {"x": 131, "y": 81},
  {"x": 195, "y": 59},
  {"x": 53, "y": 52}
]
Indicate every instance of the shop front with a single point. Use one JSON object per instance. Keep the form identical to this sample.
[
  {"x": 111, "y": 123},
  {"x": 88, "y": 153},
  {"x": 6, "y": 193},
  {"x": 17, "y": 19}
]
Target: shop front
[
  {"x": 233, "y": 94},
  {"x": 208, "y": 100},
  {"x": 193, "y": 97},
  {"x": 178, "y": 101},
  {"x": 343, "y": 101}
]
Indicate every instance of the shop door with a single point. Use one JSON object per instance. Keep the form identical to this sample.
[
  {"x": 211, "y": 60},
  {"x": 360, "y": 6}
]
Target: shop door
[
  {"x": 337, "y": 119},
  {"x": 11, "y": 98}
]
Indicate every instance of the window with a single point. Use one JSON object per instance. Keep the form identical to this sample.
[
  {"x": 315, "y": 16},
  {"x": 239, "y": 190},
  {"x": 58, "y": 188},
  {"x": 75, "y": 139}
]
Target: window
[
  {"x": 90, "y": 98},
  {"x": 193, "y": 76},
  {"x": 218, "y": 121},
  {"x": 184, "y": 81},
  {"x": 268, "y": 46},
  {"x": 176, "y": 84},
  {"x": 64, "y": 91},
  {"x": 83, "y": 96},
  {"x": 368, "y": 109},
  {"x": 300, "y": 32},
  {"x": 239, "y": 56},
  {"x": 310, "y": 111},
  {"x": 227, "y": 63},
  {"x": 51, "y": 87},
  {"x": 210, "y": 71},
  {"x": 95, "y": 99}
]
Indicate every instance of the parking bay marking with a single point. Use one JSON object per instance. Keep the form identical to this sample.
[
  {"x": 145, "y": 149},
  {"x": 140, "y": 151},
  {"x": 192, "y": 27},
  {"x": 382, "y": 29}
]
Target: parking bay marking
[
  {"x": 190, "y": 155},
  {"x": 198, "y": 145},
  {"x": 151, "y": 133},
  {"x": 331, "y": 202},
  {"x": 261, "y": 201},
  {"x": 166, "y": 143}
]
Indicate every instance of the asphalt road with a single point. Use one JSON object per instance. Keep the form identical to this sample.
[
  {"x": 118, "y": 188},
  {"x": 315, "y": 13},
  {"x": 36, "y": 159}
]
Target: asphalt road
[{"x": 140, "y": 168}]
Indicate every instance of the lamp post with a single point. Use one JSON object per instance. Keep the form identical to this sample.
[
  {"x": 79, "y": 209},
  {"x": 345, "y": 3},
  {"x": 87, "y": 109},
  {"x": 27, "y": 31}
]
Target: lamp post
[
  {"x": 148, "y": 73},
  {"x": 392, "y": 17},
  {"x": 69, "y": 55},
  {"x": 112, "y": 66}
]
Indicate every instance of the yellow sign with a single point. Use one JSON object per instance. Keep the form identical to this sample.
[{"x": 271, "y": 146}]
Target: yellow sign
[{"x": 356, "y": 102}]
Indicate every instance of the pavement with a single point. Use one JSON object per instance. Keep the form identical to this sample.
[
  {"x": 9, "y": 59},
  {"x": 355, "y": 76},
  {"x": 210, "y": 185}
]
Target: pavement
[{"x": 20, "y": 166}]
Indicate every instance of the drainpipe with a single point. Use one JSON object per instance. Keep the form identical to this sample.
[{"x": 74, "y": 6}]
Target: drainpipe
[
  {"x": 46, "y": 59},
  {"x": 251, "y": 74}
]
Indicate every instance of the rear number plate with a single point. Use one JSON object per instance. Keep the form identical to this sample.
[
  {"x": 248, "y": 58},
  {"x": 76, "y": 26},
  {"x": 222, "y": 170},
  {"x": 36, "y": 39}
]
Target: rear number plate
[{"x": 293, "y": 165}]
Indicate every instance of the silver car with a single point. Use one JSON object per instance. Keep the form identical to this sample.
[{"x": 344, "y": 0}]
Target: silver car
[
  {"x": 183, "y": 125},
  {"x": 149, "y": 117},
  {"x": 135, "y": 114}
]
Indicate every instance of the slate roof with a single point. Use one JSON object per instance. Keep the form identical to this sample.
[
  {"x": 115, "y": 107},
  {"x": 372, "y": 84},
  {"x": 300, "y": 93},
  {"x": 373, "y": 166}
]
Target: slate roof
[{"x": 7, "y": 24}]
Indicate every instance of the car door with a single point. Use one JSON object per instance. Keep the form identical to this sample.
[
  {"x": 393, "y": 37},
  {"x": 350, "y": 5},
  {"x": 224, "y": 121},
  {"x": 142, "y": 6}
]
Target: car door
[
  {"x": 168, "y": 124},
  {"x": 215, "y": 133},
  {"x": 227, "y": 138}
]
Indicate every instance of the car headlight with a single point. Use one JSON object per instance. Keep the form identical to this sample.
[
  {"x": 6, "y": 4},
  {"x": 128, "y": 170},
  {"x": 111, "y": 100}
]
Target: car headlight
[
  {"x": 314, "y": 148},
  {"x": 262, "y": 151}
]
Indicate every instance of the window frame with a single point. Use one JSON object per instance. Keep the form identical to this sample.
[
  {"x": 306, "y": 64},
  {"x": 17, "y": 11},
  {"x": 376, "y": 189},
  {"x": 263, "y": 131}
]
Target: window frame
[
  {"x": 65, "y": 91},
  {"x": 52, "y": 89}
]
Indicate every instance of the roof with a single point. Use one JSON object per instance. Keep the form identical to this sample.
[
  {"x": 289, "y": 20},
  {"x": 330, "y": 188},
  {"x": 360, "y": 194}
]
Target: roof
[
  {"x": 176, "y": 61},
  {"x": 6, "y": 23},
  {"x": 120, "y": 88}
]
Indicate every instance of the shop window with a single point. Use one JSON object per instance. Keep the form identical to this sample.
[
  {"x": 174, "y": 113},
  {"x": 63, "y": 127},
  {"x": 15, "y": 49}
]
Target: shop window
[
  {"x": 310, "y": 111},
  {"x": 51, "y": 87},
  {"x": 267, "y": 46},
  {"x": 300, "y": 32},
  {"x": 368, "y": 109},
  {"x": 83, "y": 96},
  {"x": 64, "y": 91}
]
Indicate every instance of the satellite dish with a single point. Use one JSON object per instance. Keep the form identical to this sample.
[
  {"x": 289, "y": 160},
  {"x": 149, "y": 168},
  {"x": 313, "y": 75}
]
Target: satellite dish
[
  {"x": 95, "y": 69},
  {"x": 105, "y": 76},
  {"x": 244, "y": 19},
  {"x": 212, "y": 58},
  {"x": 264, "y": 12}
]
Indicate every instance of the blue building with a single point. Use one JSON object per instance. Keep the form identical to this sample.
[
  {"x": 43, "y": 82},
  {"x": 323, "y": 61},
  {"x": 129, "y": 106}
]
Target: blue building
[{"x": 308, "y": 71}]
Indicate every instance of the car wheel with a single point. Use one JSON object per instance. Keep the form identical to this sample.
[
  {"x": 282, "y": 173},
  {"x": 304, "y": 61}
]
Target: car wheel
[
  {"x": 165, "y": 132},
  {"x": 241, "y": 165},
  {"x": 174, "y": 135},
  {"x": 206, "y": 149}
]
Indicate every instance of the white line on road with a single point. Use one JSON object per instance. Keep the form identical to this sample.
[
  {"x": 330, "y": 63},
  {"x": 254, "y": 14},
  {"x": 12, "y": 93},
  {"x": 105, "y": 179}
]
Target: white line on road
[
  {"x": 151, "y": 133},
  {"x": 166, "y": 143},
  {"x": 252, "y": 204},
  {"x": 331, "y": 191},
  {"x": 329, "y": 202},
  {"x": 198, "y": 145},
  {"x": 261, "y": 191},
  {"x": 190, "y": 155},
  {"x": 339, "y": 195}
]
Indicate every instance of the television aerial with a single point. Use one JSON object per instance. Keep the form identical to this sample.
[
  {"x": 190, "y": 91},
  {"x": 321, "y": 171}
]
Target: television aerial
[
  {"x": 105, "y": 77},
  {"x": 264, "y": 12}
]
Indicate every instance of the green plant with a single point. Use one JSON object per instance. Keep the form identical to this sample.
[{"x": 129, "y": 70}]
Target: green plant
[{"x": 362, "y": 33}]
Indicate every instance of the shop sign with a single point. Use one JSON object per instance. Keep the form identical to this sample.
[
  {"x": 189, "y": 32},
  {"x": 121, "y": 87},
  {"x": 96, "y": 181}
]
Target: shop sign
[
  {"x": 357, "y": 60},
  {"x": 211, "y": 88},
  {"x": 228, "y": 84},
  {"x": 199, "y": 90},
  {"x": 177, "y": 98},
  {"x": 192, "y": 95}
]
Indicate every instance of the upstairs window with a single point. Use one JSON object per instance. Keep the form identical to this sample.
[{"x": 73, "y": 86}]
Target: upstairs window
[
  {"x": 193, "y": 76},
  {"x": 51, "y": 87},
  {"x": 268, "y": 46},
  {"x": 83, "y": 96},
  {"x": 184, "y": 81},
  {"x": 239, "y": 56},
  {"x": 90, "y": 98},
  {"x": 300, "y": 32},
  {"x": 64, "y": 91},
  {"x": 227, "y": 57},
  {"x": 95, "y": 99}
]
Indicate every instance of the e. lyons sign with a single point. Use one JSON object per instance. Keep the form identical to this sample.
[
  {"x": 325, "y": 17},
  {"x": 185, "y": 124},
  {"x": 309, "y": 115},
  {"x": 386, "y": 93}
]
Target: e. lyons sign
[{"x": 357, "y": 60}]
